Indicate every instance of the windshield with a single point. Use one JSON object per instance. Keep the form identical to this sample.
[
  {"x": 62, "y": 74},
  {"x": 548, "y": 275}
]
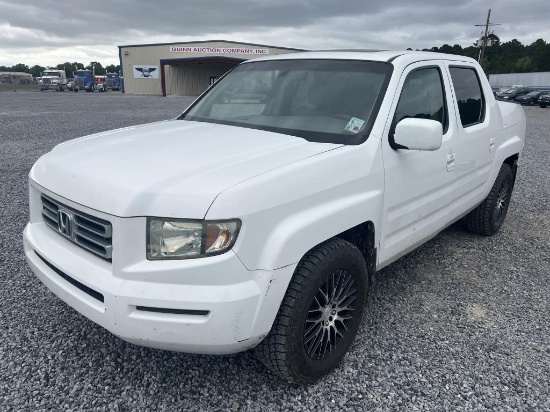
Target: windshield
[
  {"x": 330, "y": 101},
  {"x": 111, "y": 76},
  {"x": 510, "y": 91},
  {"x": 54, "y": 74}
]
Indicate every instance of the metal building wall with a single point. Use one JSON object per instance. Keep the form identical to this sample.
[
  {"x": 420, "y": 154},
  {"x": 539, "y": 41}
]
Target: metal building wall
[
  {"x": 152, "y": 54},
  {"x": 193, "y": 79},
  {"x": 539, "y": 79}
]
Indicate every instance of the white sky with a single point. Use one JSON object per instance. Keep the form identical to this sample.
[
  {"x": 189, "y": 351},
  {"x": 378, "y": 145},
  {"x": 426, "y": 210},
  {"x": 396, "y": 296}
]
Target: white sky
[{"x": 49, "y": 32}]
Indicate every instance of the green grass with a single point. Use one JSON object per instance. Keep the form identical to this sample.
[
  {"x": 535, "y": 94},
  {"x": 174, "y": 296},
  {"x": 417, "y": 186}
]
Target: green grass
[{"x": 19, "y": 87}]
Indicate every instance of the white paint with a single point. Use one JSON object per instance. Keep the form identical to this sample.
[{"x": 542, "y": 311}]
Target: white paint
[{"x": 290, "y": 195}]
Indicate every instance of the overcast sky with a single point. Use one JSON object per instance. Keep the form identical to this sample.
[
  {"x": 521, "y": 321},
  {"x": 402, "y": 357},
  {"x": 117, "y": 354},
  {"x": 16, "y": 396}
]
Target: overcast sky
[{"x": 49, "y": 32}]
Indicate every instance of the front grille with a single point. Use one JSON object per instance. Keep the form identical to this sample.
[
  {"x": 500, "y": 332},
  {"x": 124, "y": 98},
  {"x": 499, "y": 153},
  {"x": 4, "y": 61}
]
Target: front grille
[
  {"x": 46, "y": 81},
  {"x": 79, "y": 82},
  {"x": 89, "y": 232},
  {"x": 109, "y": 83}
]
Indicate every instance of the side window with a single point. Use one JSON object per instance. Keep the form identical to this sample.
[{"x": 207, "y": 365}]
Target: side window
[
  {"x": 422, "y": 97},
  {"x": 471, "y": 102}
]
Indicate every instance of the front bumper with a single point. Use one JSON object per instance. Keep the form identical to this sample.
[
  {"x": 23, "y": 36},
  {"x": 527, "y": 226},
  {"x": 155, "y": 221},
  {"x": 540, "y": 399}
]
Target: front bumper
[{"x": 212, "y": 305}]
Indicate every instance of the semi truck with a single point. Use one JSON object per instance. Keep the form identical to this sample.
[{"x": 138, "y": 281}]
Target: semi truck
[
  {"x": 113, "y": 81},
  {"x": 84, "y": 80},
  {"x": 54, "y": 80}
]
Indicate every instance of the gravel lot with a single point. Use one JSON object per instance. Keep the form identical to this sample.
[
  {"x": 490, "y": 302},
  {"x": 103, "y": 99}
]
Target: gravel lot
[{"x": 462, "y": 323}]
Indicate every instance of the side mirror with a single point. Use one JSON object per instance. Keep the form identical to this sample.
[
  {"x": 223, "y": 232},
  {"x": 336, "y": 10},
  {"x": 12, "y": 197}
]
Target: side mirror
[{"x": 419, "y": 134}]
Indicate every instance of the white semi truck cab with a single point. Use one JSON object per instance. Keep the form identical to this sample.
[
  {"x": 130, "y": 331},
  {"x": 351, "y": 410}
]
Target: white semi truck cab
[{"x": 54, "y": 80}]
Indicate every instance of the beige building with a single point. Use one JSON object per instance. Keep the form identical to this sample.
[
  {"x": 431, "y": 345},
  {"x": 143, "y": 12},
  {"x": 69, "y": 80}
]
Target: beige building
[{"x": 184, "y": 69}]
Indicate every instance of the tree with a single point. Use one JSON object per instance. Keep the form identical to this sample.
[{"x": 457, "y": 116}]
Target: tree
[
  {"x": 20, "y": 67},
  {"x": 112, "y": 68},
  {"x": 523, "y": 65},
  {"x": 99, "y": 70},
  {"x": 539, "y": 52},
  {"x": 37, "y": 70},
  {"x": 70, "y": 68}
]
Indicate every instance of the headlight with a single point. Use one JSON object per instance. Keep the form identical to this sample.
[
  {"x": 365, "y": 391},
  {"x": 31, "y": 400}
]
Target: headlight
[{"x": 187, "y": 239}]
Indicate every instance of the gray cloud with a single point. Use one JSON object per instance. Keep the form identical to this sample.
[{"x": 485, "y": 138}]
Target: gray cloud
[{"x": 45, "y": 32}]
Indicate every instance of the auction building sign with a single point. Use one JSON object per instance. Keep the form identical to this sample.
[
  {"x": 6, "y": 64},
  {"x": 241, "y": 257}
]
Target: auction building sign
[
  {"x": 145, "y": 71},
  {"x": 218, "y": 50}
]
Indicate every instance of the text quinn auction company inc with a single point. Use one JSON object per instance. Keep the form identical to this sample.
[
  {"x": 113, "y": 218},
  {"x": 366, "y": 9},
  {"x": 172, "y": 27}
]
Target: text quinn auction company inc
[{"x": 175, "y": 49}]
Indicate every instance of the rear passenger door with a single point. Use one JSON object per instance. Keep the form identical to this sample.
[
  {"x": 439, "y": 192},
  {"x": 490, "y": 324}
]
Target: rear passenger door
[
  {"x": 419, "y": 185},
  {"x": 475, "y": 140}
]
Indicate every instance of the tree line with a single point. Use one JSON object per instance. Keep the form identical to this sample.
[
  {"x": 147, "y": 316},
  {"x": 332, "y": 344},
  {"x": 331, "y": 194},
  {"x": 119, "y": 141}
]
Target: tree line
[
  {"x": 508, "y": 57},
  {"x": 69, "y": 68}
]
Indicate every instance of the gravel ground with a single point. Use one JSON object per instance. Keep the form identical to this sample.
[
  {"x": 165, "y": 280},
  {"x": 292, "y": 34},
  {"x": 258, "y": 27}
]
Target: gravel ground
[{"x": 460, "y": 324}]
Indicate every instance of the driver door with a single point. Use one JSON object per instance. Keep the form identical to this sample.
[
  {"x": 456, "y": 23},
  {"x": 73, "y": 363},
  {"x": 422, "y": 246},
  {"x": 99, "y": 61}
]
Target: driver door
[{"x": 419, "y": 185}]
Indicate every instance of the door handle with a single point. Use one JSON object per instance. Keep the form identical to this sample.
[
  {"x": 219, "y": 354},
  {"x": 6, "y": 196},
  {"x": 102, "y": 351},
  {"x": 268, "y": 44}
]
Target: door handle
[
  {"x": 491, "y": 144},
  {"x": 450, "y": 161}
]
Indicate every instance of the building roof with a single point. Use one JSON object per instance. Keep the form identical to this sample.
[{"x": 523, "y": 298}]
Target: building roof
[
  {"x": 209, "y": 41},
  {"x": 15, "y": 74}
]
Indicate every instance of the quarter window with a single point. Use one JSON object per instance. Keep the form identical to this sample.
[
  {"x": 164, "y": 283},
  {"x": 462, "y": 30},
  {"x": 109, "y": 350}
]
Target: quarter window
[
  {"x": 422, "y": 97},
  {"x": 471, "y": 103}
]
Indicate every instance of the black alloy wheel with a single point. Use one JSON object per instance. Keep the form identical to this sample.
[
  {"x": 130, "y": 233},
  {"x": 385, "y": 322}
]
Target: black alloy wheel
[
  {"x": 330, "y": 314},
  {"x": 488, "y": 217},
  {"x": 320, "y": 314}
]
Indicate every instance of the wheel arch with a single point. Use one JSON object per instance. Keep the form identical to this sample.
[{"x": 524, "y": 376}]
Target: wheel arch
[
  {"x": 363, "y": 237},
  {"x": 512, "y": 161}
]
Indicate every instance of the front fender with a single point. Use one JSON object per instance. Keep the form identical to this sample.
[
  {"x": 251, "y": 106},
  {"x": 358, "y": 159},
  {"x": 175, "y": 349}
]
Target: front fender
[{"x": 288, "y": 211}]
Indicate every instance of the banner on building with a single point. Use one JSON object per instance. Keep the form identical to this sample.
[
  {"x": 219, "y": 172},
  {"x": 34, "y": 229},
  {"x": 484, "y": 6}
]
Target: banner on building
[
  {"x": 145, "y": 71},
  {"x": 218, "y": 50}
]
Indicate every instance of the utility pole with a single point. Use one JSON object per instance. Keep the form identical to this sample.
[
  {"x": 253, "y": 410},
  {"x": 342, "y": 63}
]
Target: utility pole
[
  {"x": 484, "y": 41},
  {"x": 485, "y": 38}
]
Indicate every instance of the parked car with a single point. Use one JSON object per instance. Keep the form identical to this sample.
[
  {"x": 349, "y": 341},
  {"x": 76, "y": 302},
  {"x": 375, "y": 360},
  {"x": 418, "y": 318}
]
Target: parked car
[
  {"x": 544, "y": 99},
  {"x": 513, "y": 93},
  {"x": 262, "y": 221},
  {"x": 530, "y": 98}
]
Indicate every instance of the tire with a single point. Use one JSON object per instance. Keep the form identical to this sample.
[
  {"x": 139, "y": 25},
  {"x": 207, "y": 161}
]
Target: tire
[
  {"x": 543, "y": 106},
  {"x": 488, "y": 217},
  {"x": 303, "y": 354}
]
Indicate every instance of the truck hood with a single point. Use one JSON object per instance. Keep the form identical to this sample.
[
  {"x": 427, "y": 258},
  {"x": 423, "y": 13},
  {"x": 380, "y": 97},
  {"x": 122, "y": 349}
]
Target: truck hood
[{"x": 172, "y": 169}]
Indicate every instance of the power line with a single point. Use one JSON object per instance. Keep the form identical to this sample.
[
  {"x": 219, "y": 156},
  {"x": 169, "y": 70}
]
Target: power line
[
  {"x": 522, "y": 5},
  {"x": 530, "y": 19}
]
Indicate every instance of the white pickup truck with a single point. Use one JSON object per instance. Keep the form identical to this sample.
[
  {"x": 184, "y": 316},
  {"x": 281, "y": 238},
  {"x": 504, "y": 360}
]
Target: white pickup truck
[{"x": 259, "y": 217}]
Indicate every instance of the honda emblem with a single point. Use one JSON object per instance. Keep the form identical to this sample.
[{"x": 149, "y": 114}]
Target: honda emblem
[{"x": 64, "y": 220}]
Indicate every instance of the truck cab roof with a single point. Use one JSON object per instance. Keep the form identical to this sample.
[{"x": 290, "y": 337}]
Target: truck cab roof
[{"x": 404, "y": 57}]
